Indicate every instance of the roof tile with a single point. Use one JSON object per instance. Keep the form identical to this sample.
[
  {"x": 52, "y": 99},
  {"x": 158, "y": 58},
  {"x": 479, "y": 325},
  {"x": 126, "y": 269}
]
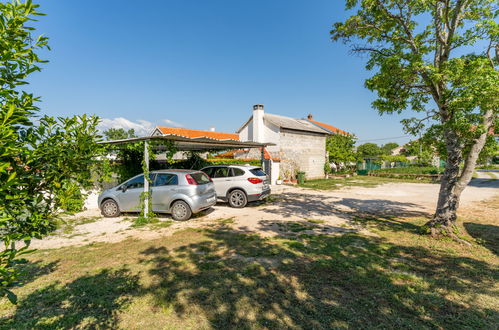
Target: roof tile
[{"x": 194, "y": 133}]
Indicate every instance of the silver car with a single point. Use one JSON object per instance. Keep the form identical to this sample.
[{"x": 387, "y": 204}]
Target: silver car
[
  {"x": 179, "y": 192},
  {"x": 239, "y": 184}
]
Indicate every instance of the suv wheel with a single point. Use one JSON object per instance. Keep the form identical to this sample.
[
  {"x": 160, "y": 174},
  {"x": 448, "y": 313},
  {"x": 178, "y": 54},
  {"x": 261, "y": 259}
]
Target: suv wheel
[
  {"x": 237, "y": 198},
  {"x": 110, "y": 209},
  {"x": 181, "y": 211}
]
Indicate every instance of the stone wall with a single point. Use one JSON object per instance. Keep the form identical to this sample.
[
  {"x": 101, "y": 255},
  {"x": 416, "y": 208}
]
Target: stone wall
[{"x": 302, "y": 151}]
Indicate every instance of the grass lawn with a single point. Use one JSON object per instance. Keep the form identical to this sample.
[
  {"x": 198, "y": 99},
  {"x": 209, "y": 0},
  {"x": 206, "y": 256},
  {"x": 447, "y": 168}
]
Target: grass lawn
[
  {"x": 357, "y": 181},
  {"x": 218, "y": 278}
]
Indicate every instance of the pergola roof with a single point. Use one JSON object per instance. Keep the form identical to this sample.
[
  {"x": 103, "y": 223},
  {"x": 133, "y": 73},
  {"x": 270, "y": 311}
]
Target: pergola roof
[{"x": 194, "y": 144}]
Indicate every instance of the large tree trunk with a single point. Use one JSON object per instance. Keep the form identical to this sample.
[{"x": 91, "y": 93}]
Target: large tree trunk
[
  {"x": 454, "y": 182},
  {"x": 444, "y": 219}
]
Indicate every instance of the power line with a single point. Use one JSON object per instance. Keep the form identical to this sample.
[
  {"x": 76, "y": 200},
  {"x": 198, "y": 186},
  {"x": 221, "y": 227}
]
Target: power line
[{"x": 390, "y": 138}]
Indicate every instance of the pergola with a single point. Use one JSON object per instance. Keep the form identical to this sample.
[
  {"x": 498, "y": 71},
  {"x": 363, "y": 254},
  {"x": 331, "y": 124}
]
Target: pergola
[{"x": 182, "y": 143}]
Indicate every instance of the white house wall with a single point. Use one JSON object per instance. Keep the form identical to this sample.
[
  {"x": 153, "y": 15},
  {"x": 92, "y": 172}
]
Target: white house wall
[
  {"x": 246, "y": 134},
  {"x": 302, "y": 151},
  {"x": 272, "y": 135}
]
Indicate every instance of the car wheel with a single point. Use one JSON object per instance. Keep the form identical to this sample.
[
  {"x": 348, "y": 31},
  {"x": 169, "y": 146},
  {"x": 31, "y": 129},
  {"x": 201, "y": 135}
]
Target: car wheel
[
  {"x": 110, "y": 209},
  {"x": 237, "y": 198},
  {"x": 181, "y": 211}
]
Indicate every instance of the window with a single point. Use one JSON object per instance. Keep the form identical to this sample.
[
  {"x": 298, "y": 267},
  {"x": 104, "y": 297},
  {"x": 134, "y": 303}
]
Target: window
[
  {"x": 221, "y": 172},
  {"x": 200, "y": 178},
  {"x": 137, "y": 182},
  {"x": 258, "y": 172},
  {"x": 165, "y": 179},
  {"x": 209, "y": 171},
  {"x": 236, "y": 172}
]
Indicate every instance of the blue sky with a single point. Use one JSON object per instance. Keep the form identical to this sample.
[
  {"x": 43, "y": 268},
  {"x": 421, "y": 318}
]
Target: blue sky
[{"x": 198, "y": 63}]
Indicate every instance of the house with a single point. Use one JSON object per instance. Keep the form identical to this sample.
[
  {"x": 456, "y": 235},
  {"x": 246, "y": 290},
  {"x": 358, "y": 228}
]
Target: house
[{"x": 300, "y": 144}]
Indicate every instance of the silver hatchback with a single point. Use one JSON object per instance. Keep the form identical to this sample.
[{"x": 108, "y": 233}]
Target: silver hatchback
[
  {"x": 239, "y": 184},
  {"x": 179, "y": 192}
]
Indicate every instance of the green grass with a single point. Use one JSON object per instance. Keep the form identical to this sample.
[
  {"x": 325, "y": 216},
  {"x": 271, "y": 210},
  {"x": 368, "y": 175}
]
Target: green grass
[
  {"x": 492, "y": 175},
  {"x": 355, "y": 181},
  {"x": 220, "y": 278},
  {"x": 66, "y": 225},
  {"x": 226, "y": 221},
  {"x": 317, "y": 221}
]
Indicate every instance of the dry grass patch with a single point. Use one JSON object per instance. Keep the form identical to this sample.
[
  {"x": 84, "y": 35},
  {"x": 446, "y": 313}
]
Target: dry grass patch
[{"x": 219, "y": 278}]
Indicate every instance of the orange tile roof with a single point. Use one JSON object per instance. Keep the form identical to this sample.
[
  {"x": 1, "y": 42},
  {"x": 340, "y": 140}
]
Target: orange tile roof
[
  {"x": 194, "y": 133},
  {"x": 329, "y": 127},
  {"x": 229, "y": 154},
  {"x": 267, "y": 155}
]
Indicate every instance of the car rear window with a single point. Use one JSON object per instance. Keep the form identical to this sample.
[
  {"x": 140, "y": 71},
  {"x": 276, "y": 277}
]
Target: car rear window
[
  {"x": 200, "y": 178},
  {"x": 258, "y": 172}
]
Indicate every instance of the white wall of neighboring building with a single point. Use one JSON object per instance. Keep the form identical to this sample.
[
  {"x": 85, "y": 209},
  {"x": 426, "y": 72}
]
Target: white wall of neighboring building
[{"x": 276, "y": 171}]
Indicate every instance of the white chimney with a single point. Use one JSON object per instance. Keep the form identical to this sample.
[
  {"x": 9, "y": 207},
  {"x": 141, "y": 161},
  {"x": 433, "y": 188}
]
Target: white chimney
[
  {"x": 212, "y": 129},
  {"x": 258, "y": 128}
]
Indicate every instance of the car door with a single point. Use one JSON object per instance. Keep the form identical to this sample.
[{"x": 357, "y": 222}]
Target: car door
[
  {"x": 129, "y": 199},
  {"x": 220, "y": 177},
  {"x": 164, "y": 187}
]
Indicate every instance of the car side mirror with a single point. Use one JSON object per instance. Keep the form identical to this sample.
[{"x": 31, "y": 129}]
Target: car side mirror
[{"x": 123, "y": 188}]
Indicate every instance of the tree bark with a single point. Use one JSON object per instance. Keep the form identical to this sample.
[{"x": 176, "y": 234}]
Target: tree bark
[
  {"x": 453, "y": 183},
  {"x": 445, "y": 216}
]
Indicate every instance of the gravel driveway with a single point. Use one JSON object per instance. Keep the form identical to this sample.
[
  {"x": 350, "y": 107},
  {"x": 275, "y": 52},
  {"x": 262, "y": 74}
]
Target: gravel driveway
[{"x": 333, "y": 210}]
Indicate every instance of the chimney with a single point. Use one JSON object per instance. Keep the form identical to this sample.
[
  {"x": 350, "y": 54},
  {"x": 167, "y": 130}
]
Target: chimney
[
  {"x": 309, "y": 117},
  {"x": 212, "y": 129},
  {"x": 258, "y": 127}
]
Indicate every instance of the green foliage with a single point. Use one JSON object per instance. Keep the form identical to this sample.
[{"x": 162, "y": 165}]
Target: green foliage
[
  {"x": 410, "y": 170},
  {"x": 17, "y": 61},
  {"x": 417, "y": 51},
  {"x": 233, "y": 162},
  {"x": 369, "y": 150},
  {"x": 394, "y": 158},
  {"x": 387, "y": 148},
  {"x": 341, "y": 149},
  {"x": 39, "y": 164},
  {"x": 119, "y": 134},
  {"x": 71, "y": 198},
  {"x": 425, "y": 149}
]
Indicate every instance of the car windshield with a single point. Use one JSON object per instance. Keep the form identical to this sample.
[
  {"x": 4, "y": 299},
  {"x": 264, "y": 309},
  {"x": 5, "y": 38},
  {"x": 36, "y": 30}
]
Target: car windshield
[
  {"x": 257, "y": 172},
  {"x": 200, "y": 178}
]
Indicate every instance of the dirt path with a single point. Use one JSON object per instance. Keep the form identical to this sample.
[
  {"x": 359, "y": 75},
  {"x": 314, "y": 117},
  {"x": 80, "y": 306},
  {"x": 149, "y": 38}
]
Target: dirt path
[{"x": 323, "y": 211}]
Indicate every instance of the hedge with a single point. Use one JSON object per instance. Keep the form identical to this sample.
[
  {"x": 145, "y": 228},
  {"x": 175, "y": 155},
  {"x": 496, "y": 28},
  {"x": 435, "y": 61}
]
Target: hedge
[
  {"x": 231, "y": 161},
  {"x": 410, "y": 170}
]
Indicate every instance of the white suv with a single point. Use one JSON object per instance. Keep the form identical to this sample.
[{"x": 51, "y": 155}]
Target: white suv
[{"x": 239, "y": 184}]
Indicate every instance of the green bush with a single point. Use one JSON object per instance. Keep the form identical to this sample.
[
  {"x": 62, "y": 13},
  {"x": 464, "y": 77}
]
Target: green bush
[
  {"x": 410, "y": 170},
  {"x": 71, "y": 199}
]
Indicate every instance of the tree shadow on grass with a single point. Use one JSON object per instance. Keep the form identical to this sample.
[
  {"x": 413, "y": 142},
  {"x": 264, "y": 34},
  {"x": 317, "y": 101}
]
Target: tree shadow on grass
[
  {"x": 88, "y": 302},
  {"x": 486, "y": 235},
  {"x": 240, "y": 280},
  {"x": 32, "y": 270}
]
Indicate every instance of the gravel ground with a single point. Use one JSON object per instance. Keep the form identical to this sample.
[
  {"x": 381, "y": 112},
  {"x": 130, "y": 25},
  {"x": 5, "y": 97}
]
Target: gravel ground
[{"x": 319, "y": 211}]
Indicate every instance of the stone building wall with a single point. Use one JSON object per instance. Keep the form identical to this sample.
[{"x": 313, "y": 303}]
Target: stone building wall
[{"x": 302, "y": 151}]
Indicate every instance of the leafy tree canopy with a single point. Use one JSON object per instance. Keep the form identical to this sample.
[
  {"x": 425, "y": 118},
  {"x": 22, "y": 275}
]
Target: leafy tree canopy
[
  {"x": 368, "y": 150},
  {"x": 341, "y": 148},
  {"x": 388, "y": 147},
  {"x": 427, "y": 57},
  {"x": 119, "y": 134}
]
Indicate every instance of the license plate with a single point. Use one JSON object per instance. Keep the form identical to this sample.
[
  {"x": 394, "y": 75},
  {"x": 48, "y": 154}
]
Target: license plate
[{"x": 211, "y": 199}]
